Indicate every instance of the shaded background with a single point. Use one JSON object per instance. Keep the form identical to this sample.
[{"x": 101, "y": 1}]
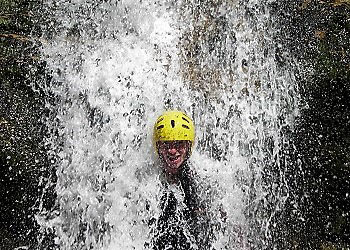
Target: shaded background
[
  {"x": 317, "y": 211},
  {"x": 317, "y": 214},
  {"x": 24, "y": 166}
]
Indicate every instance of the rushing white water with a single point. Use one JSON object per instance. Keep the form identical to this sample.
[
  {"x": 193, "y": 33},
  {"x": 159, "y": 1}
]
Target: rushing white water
[{"x": 116, "y": 66}]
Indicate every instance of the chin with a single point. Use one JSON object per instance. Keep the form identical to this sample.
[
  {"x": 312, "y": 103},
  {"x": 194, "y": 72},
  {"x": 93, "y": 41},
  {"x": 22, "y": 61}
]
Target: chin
[{"x": 173, "y": 168}]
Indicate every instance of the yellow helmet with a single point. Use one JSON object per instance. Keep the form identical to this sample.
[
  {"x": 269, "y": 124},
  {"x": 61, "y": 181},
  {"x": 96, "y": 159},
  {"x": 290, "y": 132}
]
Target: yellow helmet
[{"x": 174, "y": 126}]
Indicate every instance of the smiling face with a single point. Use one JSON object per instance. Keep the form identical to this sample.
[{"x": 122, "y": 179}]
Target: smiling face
[{"x": 173, "y": 154}]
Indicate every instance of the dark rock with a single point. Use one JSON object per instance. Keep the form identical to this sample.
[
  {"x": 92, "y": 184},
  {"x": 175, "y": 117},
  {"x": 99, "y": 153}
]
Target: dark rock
[
  {"x": 317, "y": 213},
  {"x": 23, "y": 160}
]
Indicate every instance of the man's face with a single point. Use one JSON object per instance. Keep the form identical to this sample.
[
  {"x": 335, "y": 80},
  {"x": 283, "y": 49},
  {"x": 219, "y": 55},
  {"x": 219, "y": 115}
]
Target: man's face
[{"x": 173, "y": 154}]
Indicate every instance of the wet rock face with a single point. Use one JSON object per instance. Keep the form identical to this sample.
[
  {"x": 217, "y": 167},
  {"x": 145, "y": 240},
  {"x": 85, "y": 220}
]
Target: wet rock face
[
  {"x": 23, "y": 159},
  {"x": 318, "y": 35},
  {"x": 317, "y": 212}
]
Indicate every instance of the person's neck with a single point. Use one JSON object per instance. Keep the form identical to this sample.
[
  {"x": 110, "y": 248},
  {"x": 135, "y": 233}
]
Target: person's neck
[
  {"x": 176, "y": 177},
  {"x": 172, "y": 178}
]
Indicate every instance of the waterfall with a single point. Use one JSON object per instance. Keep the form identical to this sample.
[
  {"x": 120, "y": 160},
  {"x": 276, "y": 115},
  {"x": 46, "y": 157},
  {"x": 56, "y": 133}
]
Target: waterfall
[{"x": 116, "y": 66}]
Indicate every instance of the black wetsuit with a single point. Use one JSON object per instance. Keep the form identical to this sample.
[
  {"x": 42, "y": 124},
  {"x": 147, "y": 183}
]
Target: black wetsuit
[{"x": 184, "y": 222}]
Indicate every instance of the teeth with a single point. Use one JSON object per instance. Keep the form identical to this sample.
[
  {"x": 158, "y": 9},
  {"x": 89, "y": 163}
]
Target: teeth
[{"x": 173, "y": 158}]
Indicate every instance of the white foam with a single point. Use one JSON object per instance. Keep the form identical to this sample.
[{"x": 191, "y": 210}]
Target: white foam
[{"x": 111, "y": 82}]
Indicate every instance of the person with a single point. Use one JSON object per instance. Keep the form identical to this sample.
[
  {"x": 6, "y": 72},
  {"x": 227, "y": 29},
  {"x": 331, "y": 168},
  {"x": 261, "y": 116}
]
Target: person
[{"x": 184, "y": 220}]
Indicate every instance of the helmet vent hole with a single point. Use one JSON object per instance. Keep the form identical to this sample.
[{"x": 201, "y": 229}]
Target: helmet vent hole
[
  {"x": 172, "y": 123},
  {"x": 161, "y": 119},
  {"x": 183, "y": 118},
  {"x": 161, "y": 126},
  {"x": 185, "y": 126}
]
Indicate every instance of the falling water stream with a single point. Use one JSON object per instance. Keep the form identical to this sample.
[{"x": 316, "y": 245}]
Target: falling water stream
[{"x": 115, "y": 67}]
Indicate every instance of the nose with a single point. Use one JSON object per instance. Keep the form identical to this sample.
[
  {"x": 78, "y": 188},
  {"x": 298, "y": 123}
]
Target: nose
[{"x": 172, "y": 150}]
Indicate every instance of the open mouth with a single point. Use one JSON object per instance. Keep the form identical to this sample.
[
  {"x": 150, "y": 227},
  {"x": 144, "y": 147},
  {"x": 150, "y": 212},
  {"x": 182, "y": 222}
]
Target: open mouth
[{"x": 173, "y": 158}]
